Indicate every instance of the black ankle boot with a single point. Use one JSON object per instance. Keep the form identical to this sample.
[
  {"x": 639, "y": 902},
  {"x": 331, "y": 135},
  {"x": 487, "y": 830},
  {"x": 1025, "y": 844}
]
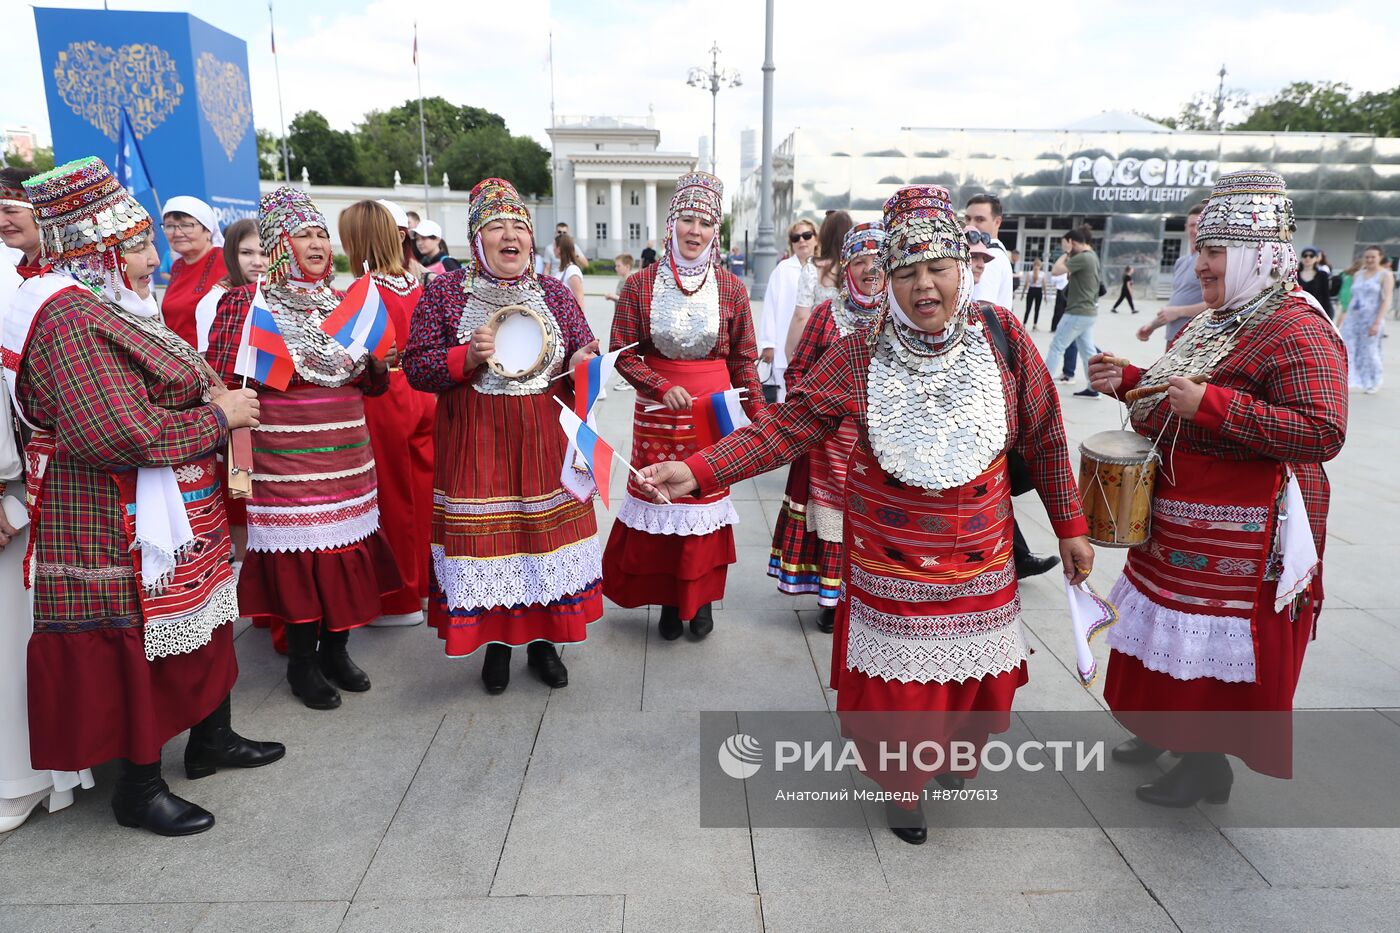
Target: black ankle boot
[
  {"x": 336, "y": 664},
  {"x": 908, "y": 825},
  {"x": 544, "y": 661},
  {"x": 1197, "y": 776},
  {"x": 704, "y": 621},
  {"x": 826, "y": 622},
  {"x": 142, "y": 800},
  {"x": 495, "y": 671},
  {"x": 213, "y": 745},
  {"x": 670, "y": 626},
  {"x": 1136, "y": 752},
  {"x": 304, "y": 668}
]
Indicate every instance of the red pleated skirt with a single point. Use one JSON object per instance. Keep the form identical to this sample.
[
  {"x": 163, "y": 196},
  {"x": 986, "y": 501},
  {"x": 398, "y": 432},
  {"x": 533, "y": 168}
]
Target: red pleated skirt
[
  {"x": 339, "y": 587},
  {"x": 401, "y": 432},
  {"x": 93, "y": 696}
]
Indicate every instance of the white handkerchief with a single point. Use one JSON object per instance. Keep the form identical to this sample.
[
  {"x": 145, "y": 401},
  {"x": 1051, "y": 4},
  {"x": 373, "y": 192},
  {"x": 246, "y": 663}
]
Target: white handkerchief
[
  {"x": 1089, "y": 614},
  {"x": 163, "y": 532},
  {"x": 1299, "y": 550}
]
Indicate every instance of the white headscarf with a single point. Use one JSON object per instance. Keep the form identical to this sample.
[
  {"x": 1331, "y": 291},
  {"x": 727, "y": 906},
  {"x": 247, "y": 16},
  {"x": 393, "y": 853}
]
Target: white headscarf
[{"x": 185, "y": 204}]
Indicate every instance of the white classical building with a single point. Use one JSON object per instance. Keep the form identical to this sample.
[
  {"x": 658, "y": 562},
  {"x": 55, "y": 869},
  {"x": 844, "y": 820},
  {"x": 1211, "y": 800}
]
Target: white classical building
[{"x": 612, "y": 186}]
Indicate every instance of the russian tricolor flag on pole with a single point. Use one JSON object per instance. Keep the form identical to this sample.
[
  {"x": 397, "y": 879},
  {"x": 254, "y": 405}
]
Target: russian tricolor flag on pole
[
  {"x": 718, "y": 415},
  {"x": 590, "y": 377},
  {"x": 596, "y": 452},
  {"x": 262, "y": 353},
  {"x": 361, "y": 322}
]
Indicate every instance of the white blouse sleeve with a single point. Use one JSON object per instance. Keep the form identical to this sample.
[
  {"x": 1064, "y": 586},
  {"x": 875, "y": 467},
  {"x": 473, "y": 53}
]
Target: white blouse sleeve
[{"x": 807, "y": 286}]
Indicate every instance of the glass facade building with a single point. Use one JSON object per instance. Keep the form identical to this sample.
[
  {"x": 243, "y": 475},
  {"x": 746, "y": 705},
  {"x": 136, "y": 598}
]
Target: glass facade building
[{"x": 1132, "y": 188}]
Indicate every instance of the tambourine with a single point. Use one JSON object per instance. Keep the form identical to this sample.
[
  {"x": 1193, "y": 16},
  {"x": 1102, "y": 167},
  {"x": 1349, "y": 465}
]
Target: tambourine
[{"x": 524, "y": 345}]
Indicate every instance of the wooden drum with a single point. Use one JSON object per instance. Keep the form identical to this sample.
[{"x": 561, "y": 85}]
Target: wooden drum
[
  {"x": 524, "y": 345},
  {"x": 1117, "y": 471}
]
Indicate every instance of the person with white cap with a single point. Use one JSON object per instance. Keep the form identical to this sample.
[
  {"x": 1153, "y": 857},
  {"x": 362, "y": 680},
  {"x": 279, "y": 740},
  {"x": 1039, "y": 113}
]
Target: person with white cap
[
  {"x": 431, "y": 246},
  {"x": 193, "y": 232}
]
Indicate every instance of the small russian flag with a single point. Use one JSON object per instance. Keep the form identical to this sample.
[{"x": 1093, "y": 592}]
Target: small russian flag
[
  {"x": 718, "y": 415},
  {"x": 596, "y": 452},
  {"x": 590, "y": 378},
  {"x": 361, "y": 322},
  {"x": 262, "y": 353}
]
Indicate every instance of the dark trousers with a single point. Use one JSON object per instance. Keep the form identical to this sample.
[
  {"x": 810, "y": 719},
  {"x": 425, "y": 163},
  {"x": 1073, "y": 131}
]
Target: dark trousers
[
  {"x": 1124, "y": 295},
  {"x": 1033, "y": 298},
  {"x": 1071, "y": 354}
]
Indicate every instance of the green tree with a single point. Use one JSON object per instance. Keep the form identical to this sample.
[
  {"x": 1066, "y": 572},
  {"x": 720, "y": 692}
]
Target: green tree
[
  {"x": 269, "y": 156},
  {"x": 1380, "y": 112},
  {"x": 329, "y": 156},
  {"x": 389, "y": 140},
  {"x": 489, "y": 151},
  {"x": 1305, "y": 107},
  {"x": 42, "y": 160}
]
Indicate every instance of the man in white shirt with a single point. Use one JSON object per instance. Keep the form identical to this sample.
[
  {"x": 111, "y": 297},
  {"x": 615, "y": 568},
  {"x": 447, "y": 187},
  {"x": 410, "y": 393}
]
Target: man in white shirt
[
  {"x": 984, "y": 212},
  {"x": 779, "y": 301}
]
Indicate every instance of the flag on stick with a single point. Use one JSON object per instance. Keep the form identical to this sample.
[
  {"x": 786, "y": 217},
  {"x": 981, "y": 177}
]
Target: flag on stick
[
  {"x": 718, "y": 415},
  {"x": 262, "y": 353},
  {"x": 361, "y": 322},
  {"x": 590, "y": 378},
  {"x": 596, "y": 452},
  {"x": 131, "y": 167}
]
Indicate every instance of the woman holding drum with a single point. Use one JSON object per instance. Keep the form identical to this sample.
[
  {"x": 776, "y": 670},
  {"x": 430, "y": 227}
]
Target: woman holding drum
[
  {"x": 1217, "y": 607},
  {"x": 515, "y": 555},
  {"x": 930, "y": 622},
  {"x": 692, "y": 322},
  {"x": 317, "y": 561}
]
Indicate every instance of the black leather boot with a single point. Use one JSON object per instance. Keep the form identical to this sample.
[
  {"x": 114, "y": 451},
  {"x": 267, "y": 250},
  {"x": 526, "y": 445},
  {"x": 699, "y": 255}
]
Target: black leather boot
[
  {"x": 826, "y": 622},
  {"x": 670, "y": 627},
  {"x": 908, "y": 825},
  {"x": 544, "y": 661},
  {"x": 704, "y": 621},
  {"x": 304, "y": 668},
  {"x": 495, "y": 671},
  {"x": 1197, "y": 776},
  {"x": 336, "y": 664},
  {"x": 142, "y": 800},
  {"x": 950, "y": 781},
  {"x": 1136, "y": 752},
  {"x": 213, "y": 745}
]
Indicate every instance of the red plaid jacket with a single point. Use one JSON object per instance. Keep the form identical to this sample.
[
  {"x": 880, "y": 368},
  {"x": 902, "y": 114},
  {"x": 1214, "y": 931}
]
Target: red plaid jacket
[
  {"x": 227, "y": 332},
  {"x": 1281, "y": 394},
  {"x": 836, "y": 388},
  {"x": 817, "y": 337},
  {"x": 736, "y": 343},
  {"x": 115, "y": 399},
  {"x": 436, "y": 360}
]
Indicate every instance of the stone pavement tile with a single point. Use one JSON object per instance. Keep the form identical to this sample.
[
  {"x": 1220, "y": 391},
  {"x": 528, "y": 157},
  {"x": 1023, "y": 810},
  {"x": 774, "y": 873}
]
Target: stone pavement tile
[
  {"x": 1197, "y": 856},
  {"x": 1322, "y": 857},
  {"x": 259, "y": 917},
  {"x": 754, "y": 660},
  {"x": 1337, "y": 673},
  {"x": 1367, "y": 630},
  {"x": 679, "y": 911},
  {"x": 308, "y": 823},
  {"x": 448, "y": 832},
  {"x": 1132, "y": 909},
  {"x": 611, "y": 805},
  {"x": 1351, "y": 572},
  {"x": 486, "y": 915},
  {"x": 819, "y": 645},
  {"x": 1284, "y": 910},
  {"x": 262, "y": 672},
  {"x": 753, "y": 529},
  {"x": 1006, "y": 860},
  {"x": 825, "y": 859},
  {"x": 748, "y": 582},
  {"x": 607, "y": 670}
]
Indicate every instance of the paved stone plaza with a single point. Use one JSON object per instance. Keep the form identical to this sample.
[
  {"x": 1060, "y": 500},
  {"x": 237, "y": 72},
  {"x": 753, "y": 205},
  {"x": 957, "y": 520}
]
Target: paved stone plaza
[{"x": 427, "y": 805}]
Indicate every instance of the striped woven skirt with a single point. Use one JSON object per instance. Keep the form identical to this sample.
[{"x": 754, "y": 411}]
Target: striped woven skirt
[
  {"x": 515, "y": 557},
  {"x": 315, "y": 551}
]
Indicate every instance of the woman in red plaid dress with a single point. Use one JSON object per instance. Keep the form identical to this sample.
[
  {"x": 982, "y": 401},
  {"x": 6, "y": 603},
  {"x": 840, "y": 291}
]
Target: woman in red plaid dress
[
  {"x": 691, "y": 320},
  {"x": 317, "y": 560},
  {"x": 1216, "y": 609},
  {"x": 930, "y": 622},
  {"x": 806, "y": 555},
  {"x": 130, "y": 559}
]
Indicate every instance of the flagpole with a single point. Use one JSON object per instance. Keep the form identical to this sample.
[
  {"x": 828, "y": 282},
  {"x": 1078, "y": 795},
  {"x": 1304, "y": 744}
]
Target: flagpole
[
  {"x": 570, "y": 372},
  {"x": 422, "y": 126},
  {"x": 248, "y": 347},
  {"x": 553, "y": 151},
  {"x": 281, "y": 114}
]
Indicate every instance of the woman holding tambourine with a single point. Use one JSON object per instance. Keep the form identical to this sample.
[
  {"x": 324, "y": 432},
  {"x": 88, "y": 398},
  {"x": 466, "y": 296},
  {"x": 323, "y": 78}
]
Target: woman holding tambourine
[
  {"x": 690, "y": 323},
  {"x": 515, "y": 555}
]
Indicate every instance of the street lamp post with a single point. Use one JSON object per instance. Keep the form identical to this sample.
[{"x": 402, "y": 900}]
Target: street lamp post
[
  {"x": 712, "y": 81},
  {"x": 765, "y": 253}
]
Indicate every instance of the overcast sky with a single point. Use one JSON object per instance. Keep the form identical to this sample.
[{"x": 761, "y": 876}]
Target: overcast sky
[{"x": 887, "y": 65}]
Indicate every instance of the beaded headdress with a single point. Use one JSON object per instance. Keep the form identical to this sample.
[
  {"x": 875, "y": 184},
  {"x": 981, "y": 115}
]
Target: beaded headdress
[
  {"x": 12, "y": 194},
  {"x": 1246, "y": 208},
  {"x": 282, "y": 213},
  {"x": 86, "y": 219},
  {"x": 863, "y": 239},
  {"x": 494, "y": 199},
  {"x": 697, "y": 193},
  {"x": 920, "y": 225}
]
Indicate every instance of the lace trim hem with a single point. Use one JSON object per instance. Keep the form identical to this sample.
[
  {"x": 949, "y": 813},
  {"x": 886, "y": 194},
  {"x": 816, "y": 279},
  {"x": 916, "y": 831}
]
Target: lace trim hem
[
  {"x": 827, "y": 522},
  {"x": 313, "y": 535},
  {"x": 517, "y": 579},
  {"x": 677, "y": 519},
  {"x": 919, "y": 649},
  {"x": 1181, "y": 645},
  {"x": 192, "y": 631}
]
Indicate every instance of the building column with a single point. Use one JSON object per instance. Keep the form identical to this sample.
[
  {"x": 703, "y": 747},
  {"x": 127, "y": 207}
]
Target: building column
[
  {"x": 651, "y": 232},
  {"x": 581, "y": 231},
  {"x": 615, "y": 218}
]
